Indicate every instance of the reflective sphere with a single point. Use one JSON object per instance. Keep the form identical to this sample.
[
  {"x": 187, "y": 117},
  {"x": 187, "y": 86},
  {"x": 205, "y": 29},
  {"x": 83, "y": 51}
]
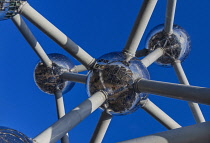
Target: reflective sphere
[
  {"x": 9, "y": 8},
  {"x": 12, "y": 136},
  {"x": 48, "y": 79},
  {"x": 116, "y": 76},
  {"x": 176, "y": 45}
]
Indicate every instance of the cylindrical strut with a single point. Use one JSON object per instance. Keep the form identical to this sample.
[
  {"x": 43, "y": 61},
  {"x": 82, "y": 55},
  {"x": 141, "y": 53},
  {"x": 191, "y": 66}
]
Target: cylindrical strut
[
  {"x": 198, "y": 133},
  {"x": 170, "y": 13},
  {"x": 139, "y": 26},
  {"x": 172, "y": 90},
  {"x": 61, "y": 112},
  {"x": 71, "y": 119},
  {"x": 158, "y": 114},
  {"x": 195, "y": 109},
  {"x": 152, "y": 57},
  {"x": 55, "y": 34},
  {"x": 27, "y": 34},
  {"x": 101, "y": 127},
  {"x": 74, "y": 77}
]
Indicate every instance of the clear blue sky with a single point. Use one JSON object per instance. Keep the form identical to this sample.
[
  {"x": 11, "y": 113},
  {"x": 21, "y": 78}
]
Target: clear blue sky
[{"x": 98, "y": 27}]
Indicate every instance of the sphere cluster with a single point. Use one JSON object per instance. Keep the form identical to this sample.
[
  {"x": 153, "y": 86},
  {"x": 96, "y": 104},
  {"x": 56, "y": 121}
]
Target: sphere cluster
[
  {"x": 9, "y": 8},
  {"x": 8, "y": 135},
  {"x": 116, "y": 76},
  {"x": 176, "y": 46},
  {"x": 48, "y": 79}
]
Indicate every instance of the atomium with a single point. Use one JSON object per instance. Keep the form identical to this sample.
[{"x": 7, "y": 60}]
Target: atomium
[
  {"x": 176, "y": 46},
  {"x": 9, "y": 8},
  {"x": 116, "y": 76},
  {"x": 116, "y": 82},
  {"x": 48, "y": 79},
  {"x": 8, "y": 135}
]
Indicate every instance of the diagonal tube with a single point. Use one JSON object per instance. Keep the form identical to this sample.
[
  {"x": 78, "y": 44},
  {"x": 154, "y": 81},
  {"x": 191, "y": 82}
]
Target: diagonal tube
[
  {"x": 170, "y": 13},
  {"x": 172, "y": 90},
  {"x": 195, "y": 109},
  {"x": 71, "y": 119},
  {"x": 74, "y": 77},
  {"x": 61, "y": 112},
  {"x": 158, "y": 114},
  {"x": 152, "y": 57},
  {"x": 27, "y": 34},
  {"x": 198, "y": 133},
  {"x": 101, "y": 127},
  {"x": 78, "y": 68},
  {"x": 139, "y": 27},
  {"x": 55, "y": 34}
]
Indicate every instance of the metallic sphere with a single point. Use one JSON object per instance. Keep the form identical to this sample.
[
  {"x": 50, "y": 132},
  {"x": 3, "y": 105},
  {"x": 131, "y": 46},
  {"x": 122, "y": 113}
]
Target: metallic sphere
[
  {"x": 116, "y": 76},
  {"x": 48, "y": 79},
  {"x": 176, "y": 45},
  {"x": 9, "y": 8},
  {"x": 8, "y": 135}
]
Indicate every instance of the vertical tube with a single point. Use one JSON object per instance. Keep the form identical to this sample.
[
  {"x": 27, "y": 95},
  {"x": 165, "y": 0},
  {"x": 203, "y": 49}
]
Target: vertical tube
[
  {"x": 101, "y": 128},
  {"x": 61, "y": 112},
  {"x": 139, "y": 27},
  {"x": 23, "y": 28},
  {"x": 170, "y": 13},
  {"x": 55, "y": 34},
  {"x": 71, "y": 119},
  {"x": 195, "y": 109},
  {"x": 159, "y": 115}
]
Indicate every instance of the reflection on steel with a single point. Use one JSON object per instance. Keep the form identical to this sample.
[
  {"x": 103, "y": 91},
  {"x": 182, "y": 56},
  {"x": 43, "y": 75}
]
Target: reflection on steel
[
  {"x": 9, "y": 8},
  {"x": 48, "y": 79},
  {"x": 142, "y": 53},
  {"x": 116, "y": 76},
  {"x": 8, "y": 135},
  {"x": 176, "y": 45},
  {"x": 117, "y": 82}
]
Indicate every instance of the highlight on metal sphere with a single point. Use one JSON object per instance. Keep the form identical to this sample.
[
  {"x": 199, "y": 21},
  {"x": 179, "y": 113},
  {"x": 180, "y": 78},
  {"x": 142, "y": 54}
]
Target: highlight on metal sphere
[
  {"x": 116, "y": 76},
  {"x": 176, "y": 45},
  {"x": 9, "y": 8},
  {"x": 48, "y": 79},
  {"x": 8, "y": 135}
]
